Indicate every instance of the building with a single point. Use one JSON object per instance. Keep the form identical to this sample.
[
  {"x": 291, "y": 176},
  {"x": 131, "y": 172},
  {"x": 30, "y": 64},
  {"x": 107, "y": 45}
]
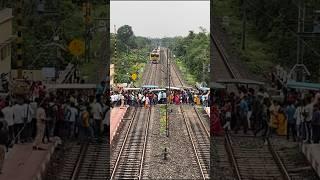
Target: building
[{"x": 6, "y": 39}]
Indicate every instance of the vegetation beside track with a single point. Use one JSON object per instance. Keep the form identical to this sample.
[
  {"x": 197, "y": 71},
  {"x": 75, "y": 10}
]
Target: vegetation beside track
[
  {"x": 163, "y": 119},
  {"x": 270, "y": 33},
  {"x": 188, "y": 77},
  {"x": 193, "y": 54}
]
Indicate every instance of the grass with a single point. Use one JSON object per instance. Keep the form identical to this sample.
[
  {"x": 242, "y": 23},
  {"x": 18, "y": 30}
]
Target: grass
[
  {"x": 257, "y": 55},
  {"x": 187, "y": 76},
  {"x": 162, "y": 119}
]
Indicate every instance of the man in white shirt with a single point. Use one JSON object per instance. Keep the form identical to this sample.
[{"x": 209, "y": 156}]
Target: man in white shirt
[
  {"x": 28, "y": 116},
  {"x": 34, "y": 106},
  {"x": 41, "y": 118},
  {"x": 72, "y": 119},
  {"x": 96, "y": 111},
  {"x": 8, "y": 116},
  {"x": 18, "y": 114},
  {"x": 106, "y": 121},
  {"x": 309, "y": 112}
]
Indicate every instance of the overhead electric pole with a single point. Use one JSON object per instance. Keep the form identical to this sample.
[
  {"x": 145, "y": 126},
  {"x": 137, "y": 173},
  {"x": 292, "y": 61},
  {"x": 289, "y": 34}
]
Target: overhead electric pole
[{"x": 244, "y": 21}]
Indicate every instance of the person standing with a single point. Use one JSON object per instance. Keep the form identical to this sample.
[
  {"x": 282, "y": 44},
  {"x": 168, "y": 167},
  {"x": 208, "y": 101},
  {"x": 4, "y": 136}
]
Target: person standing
[
  {"x": 85, "y": 125},
  {"x": 298, "y": 116},
  {"x": 41, "y": 118},
  {"x": 96, "y": 111},
  {"x": 106, "y": 121},
  {"x": 3, "y": 140},
  {"x": 72, "y": 120},
  {"x": 316, "y": 124},
  {"x": 308, "y": 117},
  {"x": 274, "y": 112},
  {"x": 291, "y": 125},
  {"x": 18, "y": 114},
  {"x": 8, "y": 117},
  {"x": 34, "y": 106},
  {"x": 243, "y": 114},
  {"x": 28, "y": 118},
  {"x": 227, "y": 109},
  {"x": 147, "y": 101}
]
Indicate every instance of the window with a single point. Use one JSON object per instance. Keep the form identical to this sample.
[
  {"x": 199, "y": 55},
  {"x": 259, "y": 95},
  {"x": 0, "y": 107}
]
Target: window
[{"x": 5, "y": 51}]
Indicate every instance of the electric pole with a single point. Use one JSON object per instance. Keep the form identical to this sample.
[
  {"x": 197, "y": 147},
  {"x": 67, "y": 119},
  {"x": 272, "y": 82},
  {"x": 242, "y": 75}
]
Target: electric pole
[
  {"x": 87, "y": 20},
  {"x": 244, "y": 21},
  {"x": 19, "y": 38},
  {"x": 168, "y": 94}
]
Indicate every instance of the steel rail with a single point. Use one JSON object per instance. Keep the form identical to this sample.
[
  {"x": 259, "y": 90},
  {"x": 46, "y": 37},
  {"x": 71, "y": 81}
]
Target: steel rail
[
  {"x": 193, "y": 144},
  {"x": 223, "y": 57},
  {"x": 279, "y": 162},
  {"x": 145, "y": 143},
  {"x": 76, "y": 170},
  {"x": 123, "y": 144},
  {"x": 203, "y": 125},
  {"x": 232, "y": 156}
]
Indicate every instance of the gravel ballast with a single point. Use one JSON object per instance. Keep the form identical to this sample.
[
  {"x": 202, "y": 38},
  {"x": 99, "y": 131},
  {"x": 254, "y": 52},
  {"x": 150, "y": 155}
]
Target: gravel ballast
[{"x": 181, "y": 161}]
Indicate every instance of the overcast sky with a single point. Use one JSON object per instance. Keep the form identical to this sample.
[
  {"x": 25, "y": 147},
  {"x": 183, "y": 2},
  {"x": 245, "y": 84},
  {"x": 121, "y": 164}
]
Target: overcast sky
[{"x": 160, "y": 18}]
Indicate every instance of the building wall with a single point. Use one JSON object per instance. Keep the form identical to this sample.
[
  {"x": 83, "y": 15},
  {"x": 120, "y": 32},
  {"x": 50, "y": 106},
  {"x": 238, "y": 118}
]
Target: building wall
[{"x": 5, "y": 40}]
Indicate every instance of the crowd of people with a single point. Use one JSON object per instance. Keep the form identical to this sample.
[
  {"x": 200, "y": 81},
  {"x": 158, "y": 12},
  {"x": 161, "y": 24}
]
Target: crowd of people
[
  {"x": 148, "y": 98},
  {"x": 35, "y": 119},
  {"x": 296, "y": 116}
]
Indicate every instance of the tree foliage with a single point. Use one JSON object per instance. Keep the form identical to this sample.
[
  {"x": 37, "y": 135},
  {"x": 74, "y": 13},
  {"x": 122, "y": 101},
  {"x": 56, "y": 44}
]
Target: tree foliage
[
  {"x": 272, "y": 30},
  {"x": 193, "y": 50}
]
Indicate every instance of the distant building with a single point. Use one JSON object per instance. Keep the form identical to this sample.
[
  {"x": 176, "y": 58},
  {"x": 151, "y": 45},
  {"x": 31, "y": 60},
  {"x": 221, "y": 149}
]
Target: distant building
[{"x": 6, "y": 39}]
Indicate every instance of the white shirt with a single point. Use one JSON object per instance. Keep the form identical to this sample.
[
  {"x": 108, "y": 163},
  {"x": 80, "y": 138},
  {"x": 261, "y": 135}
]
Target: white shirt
[
  {"x": 41, "y": 114},
  {"x": 298, "y": 115},
  {"x": 96, "y": 110},
  {"x": 8, "y": 115},
  {"x": 309, "y": 110},
  {"x": 28, "y": 112},
  {"x": 18, "y": 112},
  {"x": 34, "y": 106},
  {"x": 73, "y": 114}
]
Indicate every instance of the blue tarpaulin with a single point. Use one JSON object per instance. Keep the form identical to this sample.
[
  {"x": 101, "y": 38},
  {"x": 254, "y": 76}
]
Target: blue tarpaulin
[{"x": 303, "y": 85}]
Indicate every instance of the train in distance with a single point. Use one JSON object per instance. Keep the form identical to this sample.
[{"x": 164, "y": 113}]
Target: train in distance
[{"x": 155, "y": 56}]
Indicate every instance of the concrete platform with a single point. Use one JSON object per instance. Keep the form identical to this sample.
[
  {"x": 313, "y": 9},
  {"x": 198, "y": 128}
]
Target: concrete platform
[
  {"x": 117, "y": 114},
  {"x": 312, "y": 152},
  {"x": 23, "y": 163}
]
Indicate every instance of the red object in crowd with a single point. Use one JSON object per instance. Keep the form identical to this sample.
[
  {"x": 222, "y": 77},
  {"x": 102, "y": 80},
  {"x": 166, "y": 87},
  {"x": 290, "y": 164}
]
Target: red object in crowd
[
  {"x": 177, "y": 99},
  {"x": 215, "y": 126}
]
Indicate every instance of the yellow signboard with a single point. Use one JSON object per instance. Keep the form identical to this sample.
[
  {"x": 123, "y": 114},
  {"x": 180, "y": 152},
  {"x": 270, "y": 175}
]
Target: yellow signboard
[
  {"x": 76, "y": 47},
  {"x": 134, "y": 76}
]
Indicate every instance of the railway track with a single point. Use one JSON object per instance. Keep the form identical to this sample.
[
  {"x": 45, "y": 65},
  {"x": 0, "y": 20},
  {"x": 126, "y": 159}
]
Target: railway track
[
  {"x": 198, "y": 130},
  {"x": 252, "y": 159},
  {"x": 295, "y": 162},
  {"x": 199, "y": 137},
  {"x": 248, "y": 156},
  {"x": 129, "y": 162},
  {"x": 80, "y": 161}
]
